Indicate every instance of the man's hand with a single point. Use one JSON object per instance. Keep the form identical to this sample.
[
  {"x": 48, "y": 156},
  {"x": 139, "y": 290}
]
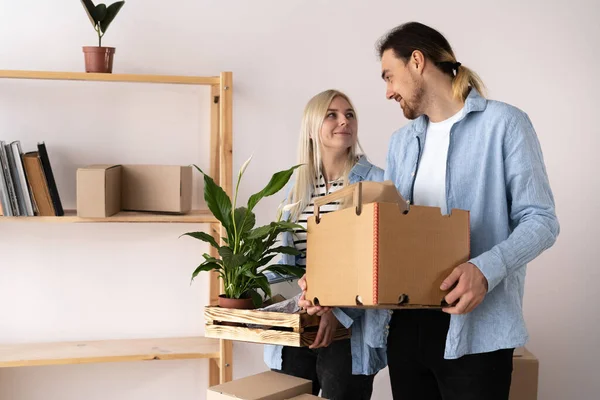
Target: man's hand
[
  {"x": 471, "y": 288},
  {"x": 327, "y": 328},
  {"x": 307, "y": 304}
]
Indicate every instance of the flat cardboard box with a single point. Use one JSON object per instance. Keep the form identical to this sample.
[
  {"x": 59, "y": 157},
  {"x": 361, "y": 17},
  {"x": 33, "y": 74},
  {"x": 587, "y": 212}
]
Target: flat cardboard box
[
  {"x": 158, "y": 188},
  {"x": 98, "y": 190},
  {"x": 268, "y": 385},
  {"x": 524, "y": 384},
  {"x": 380, "y": 252}
]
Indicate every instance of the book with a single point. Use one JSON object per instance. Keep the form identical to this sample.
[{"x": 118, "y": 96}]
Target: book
[{"x": 53, "y": 190}]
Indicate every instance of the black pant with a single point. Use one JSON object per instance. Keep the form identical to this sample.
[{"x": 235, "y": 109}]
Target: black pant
[
  {"x": 330, "y": 369},
  {"x": 418, "y": 369}
]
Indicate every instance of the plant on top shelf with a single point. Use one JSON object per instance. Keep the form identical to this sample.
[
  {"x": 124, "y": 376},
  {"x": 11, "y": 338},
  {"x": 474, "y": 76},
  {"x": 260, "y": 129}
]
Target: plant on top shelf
[
  {"x": 98, "y": 58},
  {"x": 247, "y": 250}
]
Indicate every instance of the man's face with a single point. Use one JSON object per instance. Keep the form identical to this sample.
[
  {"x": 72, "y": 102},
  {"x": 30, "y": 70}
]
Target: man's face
[{"x": 403, "y": 84}]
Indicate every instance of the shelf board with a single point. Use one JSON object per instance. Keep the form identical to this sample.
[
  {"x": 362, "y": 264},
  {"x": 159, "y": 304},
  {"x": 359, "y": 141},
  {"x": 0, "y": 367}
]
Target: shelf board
[
  {"x": 85, "y": 76},
  {"x": 194, "y": 216},
  {"x": 83, "y": 352}
]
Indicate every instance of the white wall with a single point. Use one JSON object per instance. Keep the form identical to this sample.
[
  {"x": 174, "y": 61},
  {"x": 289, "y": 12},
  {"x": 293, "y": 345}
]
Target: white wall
[{"x": 63, "y": 282}]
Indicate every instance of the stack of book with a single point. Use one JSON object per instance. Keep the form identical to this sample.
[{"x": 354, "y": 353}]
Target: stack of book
[{"x": 27, "y": 186}]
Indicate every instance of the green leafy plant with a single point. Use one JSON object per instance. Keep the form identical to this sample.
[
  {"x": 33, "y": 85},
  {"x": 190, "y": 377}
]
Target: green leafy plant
[
  {"x": 247, "y": 250},
  {"x": 101, "y": 16}
]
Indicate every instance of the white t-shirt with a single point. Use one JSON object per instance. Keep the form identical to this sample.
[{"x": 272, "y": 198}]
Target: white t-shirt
[{"x": 430, "y": 183}]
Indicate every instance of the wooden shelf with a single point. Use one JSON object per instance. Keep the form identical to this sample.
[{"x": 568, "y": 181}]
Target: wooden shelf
[
  {"x": 60, "y": 353},
  {"x": 85, "y": 76},
  {"x": 194, "y": 216}
]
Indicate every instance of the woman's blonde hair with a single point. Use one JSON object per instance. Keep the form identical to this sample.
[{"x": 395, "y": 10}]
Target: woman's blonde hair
[{"x": 309, "y": 150}]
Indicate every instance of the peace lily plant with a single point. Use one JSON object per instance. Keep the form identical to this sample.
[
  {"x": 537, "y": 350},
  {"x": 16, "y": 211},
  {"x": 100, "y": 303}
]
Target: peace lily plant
[{"x": 247, "y": 251}]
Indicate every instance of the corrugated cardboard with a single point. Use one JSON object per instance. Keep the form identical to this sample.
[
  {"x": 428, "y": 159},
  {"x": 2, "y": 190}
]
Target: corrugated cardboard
[
  {"x": 268, "y": 385},
  {"x": 159, "y": 188},
  {"x": 386, "y": 256},
  {"x": 524, "y": 384},
  {"x": 98, "y": 191}
]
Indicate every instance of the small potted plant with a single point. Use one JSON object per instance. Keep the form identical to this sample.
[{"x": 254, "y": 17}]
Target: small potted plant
[
  {"x": 247, "y": 251},
  {"x": 98, "y": 58}
]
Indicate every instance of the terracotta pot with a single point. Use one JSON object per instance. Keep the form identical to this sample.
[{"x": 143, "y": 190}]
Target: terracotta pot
[
  {"x": 98, "y": 59},
  {"x": 240, "y": 304}
]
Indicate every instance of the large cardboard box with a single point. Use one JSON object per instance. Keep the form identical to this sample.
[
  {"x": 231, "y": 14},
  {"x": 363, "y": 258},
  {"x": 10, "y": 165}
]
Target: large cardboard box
[
  {"x": 524, "y": 384},
  {"x": 268, "y": 385},
  {"x": 158, "y": 188},
  {"x": 98, "y": 190},
  {"x": 381, "y": 252}
]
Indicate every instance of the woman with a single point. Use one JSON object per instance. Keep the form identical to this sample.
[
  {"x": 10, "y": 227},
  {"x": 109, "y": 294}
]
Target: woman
[{"x": 329, "y": 151}]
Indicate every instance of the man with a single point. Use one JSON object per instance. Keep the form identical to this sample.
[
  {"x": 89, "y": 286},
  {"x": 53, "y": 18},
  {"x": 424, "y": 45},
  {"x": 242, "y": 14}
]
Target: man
[{"x": 461, "y": 151}]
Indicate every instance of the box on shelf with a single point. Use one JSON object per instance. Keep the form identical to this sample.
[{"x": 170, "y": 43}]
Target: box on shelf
[
  {"x": 382, "y": 252},
  {"x": 98, "y": 190},
  {"x": 268, "y": 385},
  {"x": 524, "y": 385},
  {"x": 268, "y": 327},
  {"x": 158, "y": 188}
]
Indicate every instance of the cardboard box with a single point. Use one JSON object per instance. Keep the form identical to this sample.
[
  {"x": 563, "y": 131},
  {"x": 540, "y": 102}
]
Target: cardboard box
[
  {"x": 158, "y": 188},
  {"x": 268, "y": 385},
  {"x": 306, "y": 397},
  {"x": 380, "y": 252},
  {"x": 98, "y": 191},
  {"x": 524, "y": 384}
]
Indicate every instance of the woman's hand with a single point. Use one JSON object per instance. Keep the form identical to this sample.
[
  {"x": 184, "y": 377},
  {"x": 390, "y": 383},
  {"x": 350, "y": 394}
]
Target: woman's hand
[
  {"x": 307, "y": 304},
  {"x": 327, "y": 327}
]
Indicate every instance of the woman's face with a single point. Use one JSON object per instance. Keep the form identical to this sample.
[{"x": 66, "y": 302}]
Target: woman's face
[{"x": 340, "y": 128}]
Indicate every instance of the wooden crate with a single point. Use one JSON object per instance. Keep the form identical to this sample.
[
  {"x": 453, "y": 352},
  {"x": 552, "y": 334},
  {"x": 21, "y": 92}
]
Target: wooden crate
[{"x": 296, "y": 330}]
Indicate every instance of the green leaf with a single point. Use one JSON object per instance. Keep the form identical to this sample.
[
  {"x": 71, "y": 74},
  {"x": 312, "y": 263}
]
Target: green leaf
[
  {"x": 265, "y": 260},
  {"x": 111, "y": 13},
  {"x": 206, "y": 266},
  {"x": 285, "y": 269},
  {"x": 100, "y": 12},
  {"x": 285, "y": 250},
  {"x": 205, "y": 237},
  {"x": 257, "y": 299},
  {"x": 244, "y": 220},
  {"x": 231, "y": 260},
  {"x": 260, "y": 232},
  {"x": 89, "y": 7},
  {"x": 217, "y": 200},
  {"x": 264, "y": 285},
  {"x": 277, "y": 182},
  {"x": 288, "y": 226}
]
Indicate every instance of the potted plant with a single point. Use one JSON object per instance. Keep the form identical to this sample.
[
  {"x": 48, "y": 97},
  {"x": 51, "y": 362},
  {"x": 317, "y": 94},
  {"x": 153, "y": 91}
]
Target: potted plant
[
  {"x": 247, "y": 250},
  {"x": 98, "y": 58}
]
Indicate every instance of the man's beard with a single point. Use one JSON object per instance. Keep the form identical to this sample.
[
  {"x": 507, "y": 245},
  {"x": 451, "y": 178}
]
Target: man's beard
[{"x": 412, "y": 110}]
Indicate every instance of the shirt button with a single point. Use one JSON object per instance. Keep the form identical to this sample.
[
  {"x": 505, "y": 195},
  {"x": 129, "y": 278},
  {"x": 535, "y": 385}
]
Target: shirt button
[
  {"x": 412, "y": 173},
  {"x": 387, "y": 327}
]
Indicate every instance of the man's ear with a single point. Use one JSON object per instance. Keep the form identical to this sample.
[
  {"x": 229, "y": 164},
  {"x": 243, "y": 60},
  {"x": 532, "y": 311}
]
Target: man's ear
[{"x": 417, "y": 61}]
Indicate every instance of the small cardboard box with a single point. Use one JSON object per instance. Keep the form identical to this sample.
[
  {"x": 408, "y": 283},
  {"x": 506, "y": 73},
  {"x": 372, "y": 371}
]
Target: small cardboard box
[
  {"x": 381, "y": 252},
  {"x": 524, "y": 385},
  {"x": 268, "y": 385},
  {"x": 98, "y": 191},
  {"x": 158, "y": 188}
]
